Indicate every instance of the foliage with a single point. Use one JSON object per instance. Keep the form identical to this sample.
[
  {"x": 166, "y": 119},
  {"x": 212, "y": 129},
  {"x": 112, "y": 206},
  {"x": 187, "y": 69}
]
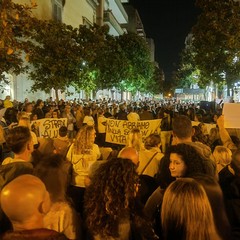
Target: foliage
[
  {"x": 140, "y": 69},
  {"x": 155, "y": 86},
  {"x": 57, "y": 55},
  {"x": 187, "y": 73},
  {"x": 15, "y": 27},
  {"x": 54, "y": 55},
  {"x": 216, "y": 41},
  {"x": 112, "y": 64},
  {"x": 113, "y": 61},
  {"x": 104, "y": 57}
]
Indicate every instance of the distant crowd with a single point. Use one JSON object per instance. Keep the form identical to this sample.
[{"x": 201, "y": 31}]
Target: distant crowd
[{"x": 180, "y": 183}]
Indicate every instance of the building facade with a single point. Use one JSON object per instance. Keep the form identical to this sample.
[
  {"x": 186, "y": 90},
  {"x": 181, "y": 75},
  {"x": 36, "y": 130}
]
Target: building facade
[{"x": 75, "y": 12}]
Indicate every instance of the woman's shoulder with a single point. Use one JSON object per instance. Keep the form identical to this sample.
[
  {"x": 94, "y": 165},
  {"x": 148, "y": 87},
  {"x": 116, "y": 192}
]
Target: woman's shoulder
[
  {"x": 153, "y": 152},
  {"x": 96, "y": 147}
]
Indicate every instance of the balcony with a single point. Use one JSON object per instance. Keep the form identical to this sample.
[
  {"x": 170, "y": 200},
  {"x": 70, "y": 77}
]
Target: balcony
[
  {"x": 118, "y": 11},
  {"x": 111, "y": 21},
  {"x": 93, "y": 3}
]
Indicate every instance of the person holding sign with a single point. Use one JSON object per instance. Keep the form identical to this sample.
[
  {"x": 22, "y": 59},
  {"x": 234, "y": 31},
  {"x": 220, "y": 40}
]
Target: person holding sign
[
  {"x": 71, "y": 120},
  {"x": 224, "y": 135},
  {"x": 132, "y": 115}
]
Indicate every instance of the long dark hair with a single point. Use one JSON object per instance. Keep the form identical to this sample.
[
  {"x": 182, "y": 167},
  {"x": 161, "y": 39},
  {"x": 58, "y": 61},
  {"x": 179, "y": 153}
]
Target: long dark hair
[
  {"x": 52, "y": 171},
  {"x": 110, "y": 197}
]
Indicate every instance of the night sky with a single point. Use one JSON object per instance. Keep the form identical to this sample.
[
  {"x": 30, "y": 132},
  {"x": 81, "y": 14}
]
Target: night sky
[{"x": 168, "y": 22}]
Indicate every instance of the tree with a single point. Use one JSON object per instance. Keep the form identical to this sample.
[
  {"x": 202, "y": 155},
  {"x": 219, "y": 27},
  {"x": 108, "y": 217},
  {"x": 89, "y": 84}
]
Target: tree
[
  {"x": 15, "y": 27},
  {"x": 140, "y": 69},
  {"x": 113, "y": 61},
  {"x": 187, "y": 73},
  {"x": 106, "y": 63},
  {"x": 155, "y": 85},
  {"x": 216, "y": 41},
  {"x": 112, "y": 64},
  {"x": 55, "y": 56}
]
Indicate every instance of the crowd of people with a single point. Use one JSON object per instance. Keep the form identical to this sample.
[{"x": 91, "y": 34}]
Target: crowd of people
[{"x": 180, "y": 184}]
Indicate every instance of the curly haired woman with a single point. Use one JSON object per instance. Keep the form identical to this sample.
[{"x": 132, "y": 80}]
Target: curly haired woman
[
  {"x": 82, "y": 154},
  {"x": 110, "y": 203},
  {"x": 181, "y": 160}
]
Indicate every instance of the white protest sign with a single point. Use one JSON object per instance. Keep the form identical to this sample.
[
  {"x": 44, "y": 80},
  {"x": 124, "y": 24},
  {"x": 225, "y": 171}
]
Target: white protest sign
[
  {"x": 118, "y": 130},
  {"x": 48, "y": 127},
  {"x": 231, "y": 112}
]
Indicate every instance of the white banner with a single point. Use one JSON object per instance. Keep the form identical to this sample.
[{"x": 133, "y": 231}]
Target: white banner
[
  {"x": 48, "y": 127},
  {"x": 231, "y": 112},
  {"x": 118, "y": 130}
]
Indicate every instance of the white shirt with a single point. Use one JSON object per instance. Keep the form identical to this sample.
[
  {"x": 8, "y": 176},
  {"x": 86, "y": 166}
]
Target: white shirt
[
  {"x": 62, "y": 218},
  {"x": 88, "y": 120},
  {"x": 81, "y": 164},
  {"x": 145, "y": 156}
]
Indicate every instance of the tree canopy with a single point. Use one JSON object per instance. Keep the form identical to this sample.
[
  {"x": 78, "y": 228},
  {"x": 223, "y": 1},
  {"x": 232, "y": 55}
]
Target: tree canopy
[
  {"x": 15, "y": 27},
  {"x": 57, "y": 55},
  {"x": 187, "y": 73},
  {"x": 104, "y": 59},
  {"x": 54, "y": 56},
  {"x": 140, "y": 68},
  {"x": 216, "y": 41}
]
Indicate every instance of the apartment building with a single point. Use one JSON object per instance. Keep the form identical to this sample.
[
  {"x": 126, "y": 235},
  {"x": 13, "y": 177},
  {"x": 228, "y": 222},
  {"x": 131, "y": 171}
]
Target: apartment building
[
  {"x": 115, "y": 16},
  {"x": 75, "y": 13}
]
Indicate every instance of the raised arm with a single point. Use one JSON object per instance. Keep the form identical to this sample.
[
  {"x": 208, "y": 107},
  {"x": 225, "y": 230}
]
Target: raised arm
[{"x": 224, "y": 135}]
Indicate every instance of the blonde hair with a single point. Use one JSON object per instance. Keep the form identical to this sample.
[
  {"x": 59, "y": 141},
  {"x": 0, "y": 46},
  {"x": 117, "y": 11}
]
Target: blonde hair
[
  {"x": 135, "y": 140},
  {"x": 25, "y": 122},
  {"x": 186, "y": 212},
  {"x": 21, "y": 115},
  {"x": 222, "y": 155},
  {"x": 84, "y": 140}
]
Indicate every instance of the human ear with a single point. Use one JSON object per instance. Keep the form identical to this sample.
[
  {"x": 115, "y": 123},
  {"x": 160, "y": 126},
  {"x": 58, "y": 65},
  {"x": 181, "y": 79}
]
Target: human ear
[
  {"x": 193, "y": 131},
  {"x": 30, "y": 145},
  {"x": 45, "y": 205}
]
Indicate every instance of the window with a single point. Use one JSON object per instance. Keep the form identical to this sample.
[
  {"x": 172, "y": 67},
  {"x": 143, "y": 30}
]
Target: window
[{"x": 57, "y": 10}]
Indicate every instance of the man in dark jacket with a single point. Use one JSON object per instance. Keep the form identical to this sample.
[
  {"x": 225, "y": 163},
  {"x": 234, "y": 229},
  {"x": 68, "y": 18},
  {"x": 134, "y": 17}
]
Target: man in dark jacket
[
  {"x": 146, "y": 114},
  {"x": 122, "y": 114}
]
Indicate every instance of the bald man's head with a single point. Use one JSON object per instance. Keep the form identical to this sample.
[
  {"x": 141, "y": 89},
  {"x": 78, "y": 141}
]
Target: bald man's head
[
  {"x": 25, "y": 201},
  {"x": 129, "y": 153}
]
